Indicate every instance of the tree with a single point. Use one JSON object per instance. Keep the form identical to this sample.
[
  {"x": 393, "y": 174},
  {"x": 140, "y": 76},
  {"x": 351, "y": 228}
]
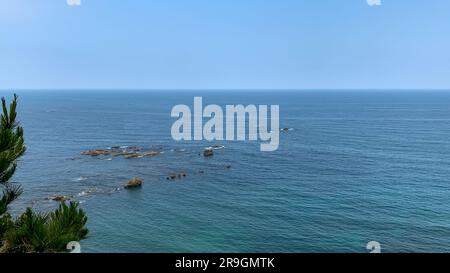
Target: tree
[
  {"x": 32, "y": 231},
  {"x": 11, "y": 148}
]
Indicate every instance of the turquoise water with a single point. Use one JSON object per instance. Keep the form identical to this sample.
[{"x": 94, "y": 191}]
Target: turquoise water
[{"x": 358, "y": 166}]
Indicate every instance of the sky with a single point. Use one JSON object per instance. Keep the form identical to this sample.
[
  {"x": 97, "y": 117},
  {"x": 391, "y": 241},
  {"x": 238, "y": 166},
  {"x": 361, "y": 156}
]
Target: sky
[{"x": 224, "y": 44}]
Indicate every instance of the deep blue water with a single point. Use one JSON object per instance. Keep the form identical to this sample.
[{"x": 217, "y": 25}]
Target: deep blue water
[{"x": 358, "y": 166}]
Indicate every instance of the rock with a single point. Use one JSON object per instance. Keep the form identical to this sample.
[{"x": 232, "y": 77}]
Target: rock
[
  {"x": 96, "y": 152},
  {"x": 126, "y": 152},
  {"x": 135, "y": 182},
  {"x": 208, "y": 152},
  {"x": 171, "y": 176},
  {"x": 60, "y": 198},
  {"x": 131, "y": 155},
  {"x": 151, "y": 153}
]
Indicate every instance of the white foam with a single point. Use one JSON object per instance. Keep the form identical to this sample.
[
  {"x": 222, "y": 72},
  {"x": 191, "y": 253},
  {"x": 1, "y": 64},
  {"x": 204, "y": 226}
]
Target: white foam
[
  {"x": 215, "y": 147},
  {"x": 81, "y": 178}
]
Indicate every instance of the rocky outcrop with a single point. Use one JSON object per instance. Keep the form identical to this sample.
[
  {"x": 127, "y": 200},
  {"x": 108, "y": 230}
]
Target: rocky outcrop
[
  {"x": 135, "y": 182},
  {"x": 151, "y": 153},
  {"x": 127, "y": 152},
  {"x": 97, "y": 152}
]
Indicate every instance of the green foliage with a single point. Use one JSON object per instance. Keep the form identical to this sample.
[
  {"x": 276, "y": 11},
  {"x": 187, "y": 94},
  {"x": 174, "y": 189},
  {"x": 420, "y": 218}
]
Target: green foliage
[
  {"x": 11, "y": 141},
  {"x": 6, "y": 222},
  {"x": 32, "y": 231},
  {"x": 11, "y": 148},
  {"x": 10, "y": 193},
  {"x": 68, "y": 221},
  {"x": 37, "y": 232}
]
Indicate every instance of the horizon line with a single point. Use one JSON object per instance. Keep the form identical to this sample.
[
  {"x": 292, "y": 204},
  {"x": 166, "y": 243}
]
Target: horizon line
[{"x": 220, "y": 89}]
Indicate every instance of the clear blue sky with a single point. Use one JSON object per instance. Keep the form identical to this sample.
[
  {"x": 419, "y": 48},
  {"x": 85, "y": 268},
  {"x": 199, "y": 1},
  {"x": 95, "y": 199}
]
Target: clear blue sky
[{"x": 220, "y": 44}]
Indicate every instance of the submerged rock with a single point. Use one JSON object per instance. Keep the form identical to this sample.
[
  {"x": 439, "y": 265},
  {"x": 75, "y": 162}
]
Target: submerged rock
[
  {"x": 135, "y": 182},
  {"x": 173, "y": 176},
  {"x": 133, "y": 148},
  {"x": 285, "y": 130},
  {"x": 216, "y": 147},
  {"x": 128, "y": 156},
  {"x": 151, "y": 153}
]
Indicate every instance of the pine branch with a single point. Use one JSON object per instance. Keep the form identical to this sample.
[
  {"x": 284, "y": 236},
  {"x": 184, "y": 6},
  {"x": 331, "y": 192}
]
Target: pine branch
[{"x": 10, "y": 193}]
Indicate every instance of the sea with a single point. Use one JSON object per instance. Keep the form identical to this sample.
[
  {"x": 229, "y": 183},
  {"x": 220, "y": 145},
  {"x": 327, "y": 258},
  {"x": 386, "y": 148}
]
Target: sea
[{"x": 355, "y": 166}]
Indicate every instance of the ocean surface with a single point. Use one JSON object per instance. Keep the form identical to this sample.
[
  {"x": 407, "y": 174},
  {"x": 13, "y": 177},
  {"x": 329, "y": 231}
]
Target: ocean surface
[{"x": 357, "y": 166}]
